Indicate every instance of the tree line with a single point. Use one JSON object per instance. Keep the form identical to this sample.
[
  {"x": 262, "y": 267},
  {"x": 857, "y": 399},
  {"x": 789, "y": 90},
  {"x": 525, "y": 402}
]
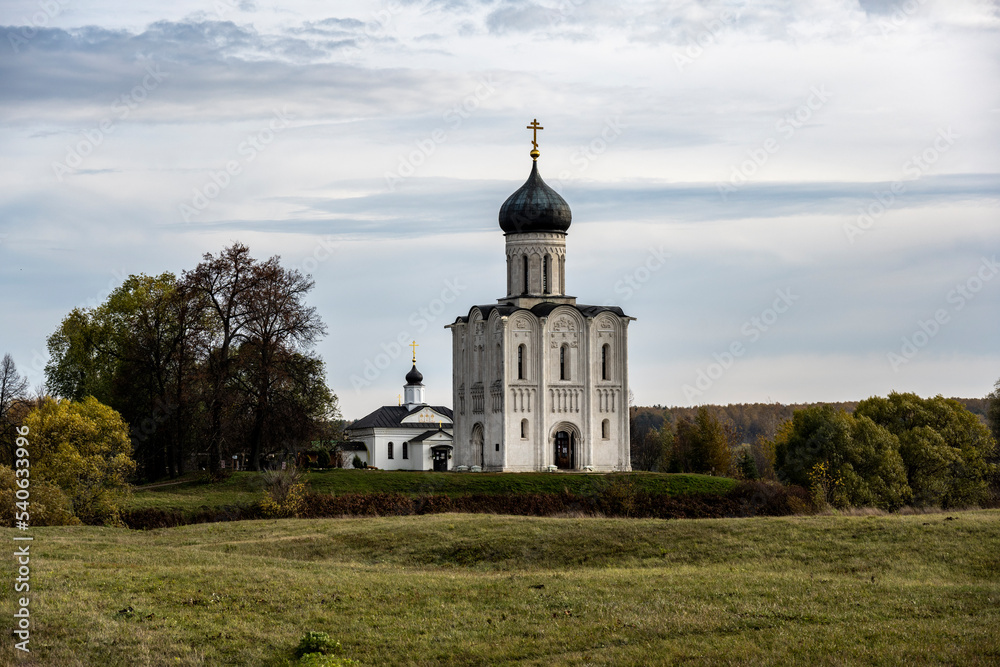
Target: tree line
[
  {"x": 882, "y": 452},
  {"x": 215, "y": 362}
]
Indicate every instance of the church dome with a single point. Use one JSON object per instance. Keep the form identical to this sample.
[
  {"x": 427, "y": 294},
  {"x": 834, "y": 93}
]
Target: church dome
[
  {"x": 534, "y": 207},
  {"x": 414, "y": 376}
]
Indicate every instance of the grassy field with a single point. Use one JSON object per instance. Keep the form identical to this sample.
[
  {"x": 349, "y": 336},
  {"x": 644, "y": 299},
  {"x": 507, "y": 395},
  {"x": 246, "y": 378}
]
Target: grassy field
[
  {"x": 484, "y": 590},
  {"x": 245, "y": 487}
]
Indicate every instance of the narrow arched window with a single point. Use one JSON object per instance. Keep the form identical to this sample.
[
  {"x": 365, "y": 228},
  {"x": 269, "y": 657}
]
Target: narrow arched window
[
  {"x": 390, "y": 450},
  {"x": 406, "y": 450},
  {"x": 605, "y": 429},
  {"x": 563, "y": 363},
  {"x": 545, "y": 275},
  {"x": 524, "y": 273},
  {"x": 524, "y": 429},
  {"x": 605, "y": 369},
  {"x": 520, "y": 362}
]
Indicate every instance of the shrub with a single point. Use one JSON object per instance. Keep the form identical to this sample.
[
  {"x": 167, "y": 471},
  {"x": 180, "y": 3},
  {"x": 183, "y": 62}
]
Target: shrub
[
  {"x": 323, "y": 459},
  {"x": 316, "y": 642},
  {"x": 82, "y": 447},
  {"x": 320, "y": 660},
  {"x": 47, "y": 505},
  {"x": 357, "y": 462},
  {"x": 284, "y": 492}
]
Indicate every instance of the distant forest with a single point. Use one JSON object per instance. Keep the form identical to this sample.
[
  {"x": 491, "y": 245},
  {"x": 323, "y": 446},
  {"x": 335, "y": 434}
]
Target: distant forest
[{"x": 748, "y": 422}]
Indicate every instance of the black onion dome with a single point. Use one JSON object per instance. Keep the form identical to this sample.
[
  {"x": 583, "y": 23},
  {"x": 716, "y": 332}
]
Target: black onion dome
[
  {"x": 414, "y": 376},
  {"x": 535, "y": 207}
]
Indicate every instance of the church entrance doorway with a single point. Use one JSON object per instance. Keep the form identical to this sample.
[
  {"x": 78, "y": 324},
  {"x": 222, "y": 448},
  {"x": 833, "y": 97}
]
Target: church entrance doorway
[
  {"x": 440, "y": 457},
  {"x": 565, "y": 444}
]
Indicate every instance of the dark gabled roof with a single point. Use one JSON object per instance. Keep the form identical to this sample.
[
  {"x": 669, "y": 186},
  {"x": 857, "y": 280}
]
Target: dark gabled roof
[
  {"x": 391, "y": 416},
  {"x": 543, "y": 309},
  {"x": 427, "y": 434}
]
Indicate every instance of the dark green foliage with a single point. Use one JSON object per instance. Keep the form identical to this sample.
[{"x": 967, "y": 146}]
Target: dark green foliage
[
  {"x": 316, "y": 642},
  {"x": 945, "y": 448},
  {"x": 862, "y": 458},
  {"x": 356, "y": 462},
  {"x": 217, "y": 362},
  {"x": 323, "y": 459},
  {"x": 748, "y": 466},
  {"x": 993, "y": 412},
  {"x": 700, "y": 445},
  {"x": 618, "y": 496}
]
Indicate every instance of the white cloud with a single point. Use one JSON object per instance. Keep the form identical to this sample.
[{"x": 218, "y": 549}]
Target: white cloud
[{"x": 370, "y": 86}]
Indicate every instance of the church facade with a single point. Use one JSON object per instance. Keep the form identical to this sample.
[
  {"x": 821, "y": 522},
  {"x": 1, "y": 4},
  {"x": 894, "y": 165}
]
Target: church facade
[{"x": 540, "y": 382}]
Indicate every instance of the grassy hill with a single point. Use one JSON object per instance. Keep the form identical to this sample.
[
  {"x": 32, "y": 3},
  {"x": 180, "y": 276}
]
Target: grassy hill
[
  {"x": 246, "y": 487},
  {"x": 480, "y": 589}
]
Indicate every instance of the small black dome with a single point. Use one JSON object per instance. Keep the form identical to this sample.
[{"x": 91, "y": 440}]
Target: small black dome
[
  {"x": 535, "y": 207},
  {"x": 414, "y": 376}
]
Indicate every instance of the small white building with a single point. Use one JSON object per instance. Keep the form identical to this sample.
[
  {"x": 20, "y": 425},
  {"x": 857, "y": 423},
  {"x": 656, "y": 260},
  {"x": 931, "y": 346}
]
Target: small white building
[{"x": 410, "y": 436}]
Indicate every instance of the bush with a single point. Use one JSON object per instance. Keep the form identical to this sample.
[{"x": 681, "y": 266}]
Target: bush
[
  {"x": 47, "y": 505},
  {"x": 323, "y": 459},
  {"x": 320, "y": 660},
  {"x": 82, "y": 447},
  {"x": 284, "y": 492},
  {"x": 316, "y": 642},
  {"x": 357, "y": 463}
]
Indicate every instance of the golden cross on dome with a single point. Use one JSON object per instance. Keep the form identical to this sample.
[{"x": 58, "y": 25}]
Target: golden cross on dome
[
  {"x": 534, "y": 127},
  {"x": 414, "y": 345}
]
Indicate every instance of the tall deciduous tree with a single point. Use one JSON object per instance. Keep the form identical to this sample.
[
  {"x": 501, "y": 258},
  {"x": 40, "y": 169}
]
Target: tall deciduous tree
[
  {"x": 945, "y": 448},
  {"x": 221, "y": 357},
  {"x": 701, "y": 445},
  {"x": 221, "y": 287},
  {"x": 13, "y": 402},
  {"x": 859, "y": 457},
  {"x": 280, "y": 325}
]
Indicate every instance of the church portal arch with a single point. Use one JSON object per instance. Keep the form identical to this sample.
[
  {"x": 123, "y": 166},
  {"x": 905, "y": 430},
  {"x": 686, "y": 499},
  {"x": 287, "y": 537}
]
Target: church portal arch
[{"x": 565, "y": 443}]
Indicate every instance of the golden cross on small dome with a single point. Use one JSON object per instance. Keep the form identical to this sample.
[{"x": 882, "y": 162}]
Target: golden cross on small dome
[
  {"x": 414, "y": 345},
  {"x": 534, "y": 127}
]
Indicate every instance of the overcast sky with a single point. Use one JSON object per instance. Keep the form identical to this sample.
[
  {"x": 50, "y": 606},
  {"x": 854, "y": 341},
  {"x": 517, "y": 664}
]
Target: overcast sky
[{"x": 798, "y": 201}]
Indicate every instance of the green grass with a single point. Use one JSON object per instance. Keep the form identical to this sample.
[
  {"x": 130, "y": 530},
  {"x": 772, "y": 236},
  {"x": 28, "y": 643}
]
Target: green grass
[
  {"x": 245, "y": 487},
  {"x": 484, "y": 590}
]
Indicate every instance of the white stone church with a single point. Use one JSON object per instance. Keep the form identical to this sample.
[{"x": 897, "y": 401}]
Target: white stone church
[{"x": 540, "y": 382}]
